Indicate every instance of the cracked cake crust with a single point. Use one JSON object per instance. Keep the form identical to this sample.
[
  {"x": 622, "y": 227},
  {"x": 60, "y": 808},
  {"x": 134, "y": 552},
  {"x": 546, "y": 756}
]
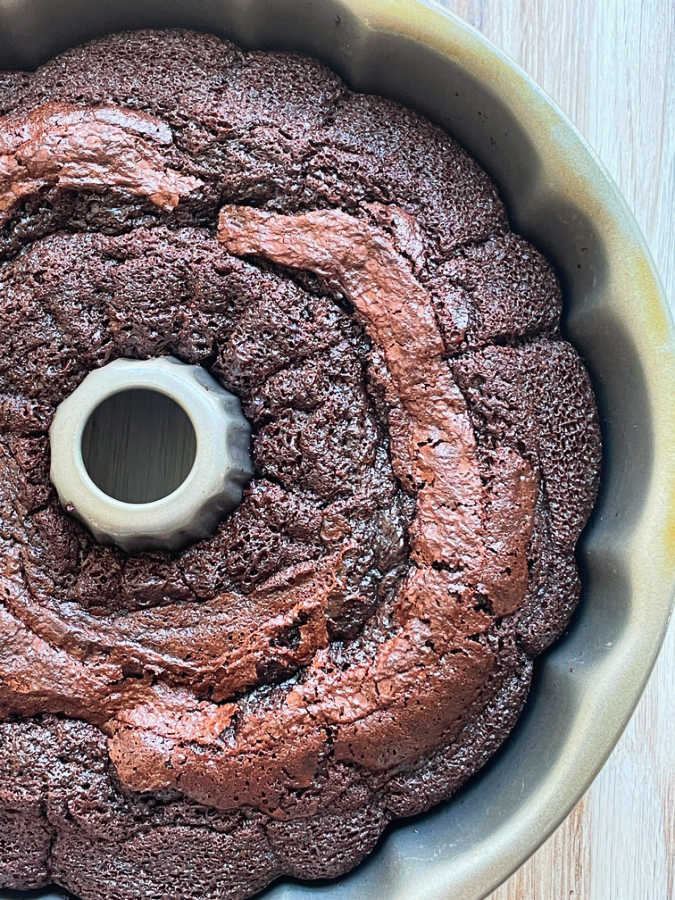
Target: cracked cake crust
[{"x": 356, "y": 639}]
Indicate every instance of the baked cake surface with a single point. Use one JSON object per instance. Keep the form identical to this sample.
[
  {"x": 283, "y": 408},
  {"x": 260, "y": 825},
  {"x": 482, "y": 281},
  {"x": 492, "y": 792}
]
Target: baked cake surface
[{"x": 357, "y": 637}]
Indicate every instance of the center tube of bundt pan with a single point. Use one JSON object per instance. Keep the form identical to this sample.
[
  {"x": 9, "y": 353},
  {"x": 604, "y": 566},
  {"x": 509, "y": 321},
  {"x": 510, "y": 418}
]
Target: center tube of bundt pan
[{"x": 150, "y": 454}]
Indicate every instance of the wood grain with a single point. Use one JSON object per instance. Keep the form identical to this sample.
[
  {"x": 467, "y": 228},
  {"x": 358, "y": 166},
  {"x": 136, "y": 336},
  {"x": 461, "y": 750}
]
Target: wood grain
[
  {"x": 609, "y": 66},
  {"x": 138, "y": 446}
]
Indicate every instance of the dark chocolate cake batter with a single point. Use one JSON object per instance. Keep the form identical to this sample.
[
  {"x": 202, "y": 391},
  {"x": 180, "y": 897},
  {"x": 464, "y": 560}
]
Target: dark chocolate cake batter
[{"x": 357, "y": 637}]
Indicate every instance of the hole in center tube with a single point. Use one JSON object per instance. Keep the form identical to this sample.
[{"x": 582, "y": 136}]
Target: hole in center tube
[{"x": 138, "y": 446}]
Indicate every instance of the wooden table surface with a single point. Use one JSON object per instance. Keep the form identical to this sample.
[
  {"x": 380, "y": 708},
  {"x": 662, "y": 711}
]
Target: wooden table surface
[{"x": 610, "y": 66}]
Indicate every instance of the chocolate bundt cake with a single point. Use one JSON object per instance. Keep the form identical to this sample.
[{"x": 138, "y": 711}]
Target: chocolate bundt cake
[{"x": 356, "y": 638}]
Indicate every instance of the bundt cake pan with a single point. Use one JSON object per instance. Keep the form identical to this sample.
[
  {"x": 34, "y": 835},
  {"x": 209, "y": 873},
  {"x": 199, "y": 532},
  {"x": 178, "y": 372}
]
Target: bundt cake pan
[{"x": 560, "y": 198}]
